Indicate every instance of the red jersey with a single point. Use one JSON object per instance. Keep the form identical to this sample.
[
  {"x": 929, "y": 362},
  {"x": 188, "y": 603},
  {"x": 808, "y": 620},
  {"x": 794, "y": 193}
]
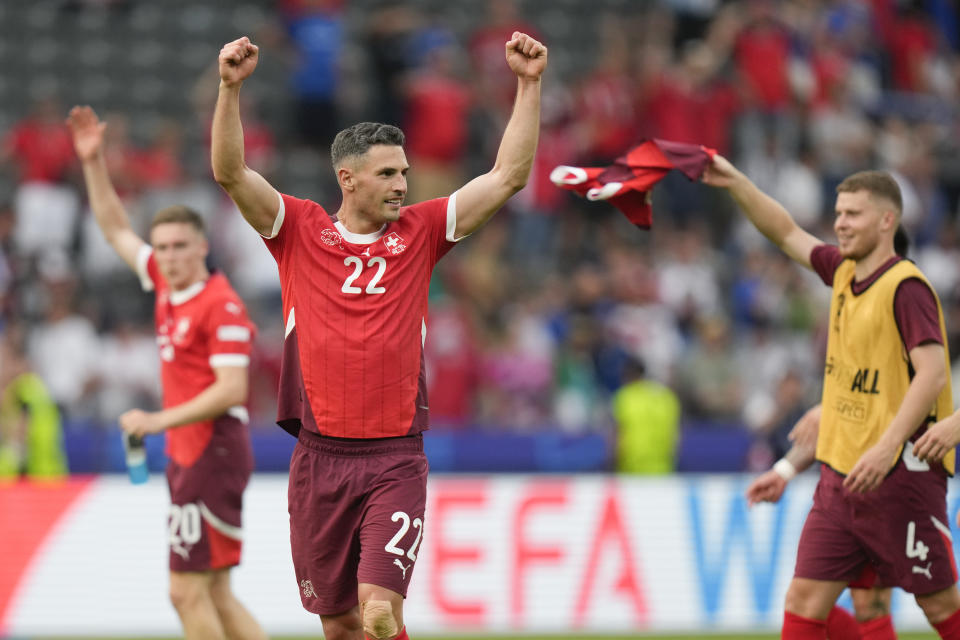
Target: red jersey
[
  {"x": 355, "y": 308},
  {"x": 198, "y": 328}
]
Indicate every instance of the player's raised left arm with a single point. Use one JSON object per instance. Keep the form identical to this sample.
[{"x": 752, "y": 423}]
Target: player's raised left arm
[
  {"x": 87, "y": 132},
  {"x": 480, "y": 198},
  {"x": 930, "y": 375},
  {"x": 228, "y": 390}
]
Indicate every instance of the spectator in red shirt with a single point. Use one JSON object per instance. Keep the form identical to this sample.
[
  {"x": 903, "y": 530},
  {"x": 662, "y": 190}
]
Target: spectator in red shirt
[
  {"x": 39, "y": 145},
  {"x": 761, "y": 54},
  {"x": 438, "y": 104}
]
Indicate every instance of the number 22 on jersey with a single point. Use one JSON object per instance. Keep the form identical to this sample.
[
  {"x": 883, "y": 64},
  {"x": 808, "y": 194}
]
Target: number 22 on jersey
[{"x": 358, "y": 268}]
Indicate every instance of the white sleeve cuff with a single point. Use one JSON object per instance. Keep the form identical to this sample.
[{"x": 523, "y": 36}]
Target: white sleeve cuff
[
  {"x": 143, "y": 258},
  {"x": 452, "y": 219},
  {"x": 278, "y": 221},
  {"x": 233, "y": 333},
  {"x": 229, "y": 360}
]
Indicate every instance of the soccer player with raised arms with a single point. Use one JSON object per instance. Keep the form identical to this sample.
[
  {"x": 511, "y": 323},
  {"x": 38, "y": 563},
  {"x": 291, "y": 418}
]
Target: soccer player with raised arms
[
  {"x": 352, "y": 387},
  {"x": 204, "y": 336},
  {"x": 886, "y": 379}
]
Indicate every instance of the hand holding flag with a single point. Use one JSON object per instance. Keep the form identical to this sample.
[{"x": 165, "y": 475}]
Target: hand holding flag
[{"x": 627, "y": 182}]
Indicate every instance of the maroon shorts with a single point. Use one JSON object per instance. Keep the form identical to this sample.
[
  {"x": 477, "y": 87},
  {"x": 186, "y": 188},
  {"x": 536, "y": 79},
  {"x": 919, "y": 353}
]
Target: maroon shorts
[
  {"x": 900, "y": 529},
  {"x": 356, "y": 515},
  {"x": 206, "y": 500}
]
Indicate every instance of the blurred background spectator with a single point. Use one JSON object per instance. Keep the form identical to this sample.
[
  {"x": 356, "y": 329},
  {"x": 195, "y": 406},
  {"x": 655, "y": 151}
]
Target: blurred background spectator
[
  {"x": 647, "y": 414},
  {"x": 534, "y": 321},
  {"x": 31, "y": 440}
]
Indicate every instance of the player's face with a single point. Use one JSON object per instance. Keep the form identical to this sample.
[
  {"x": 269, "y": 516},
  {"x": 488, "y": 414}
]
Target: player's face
[
  {"x": 381, "y": 179},
  {"x": 180, "y": 250},
  {"x": 857, "y": 224}
]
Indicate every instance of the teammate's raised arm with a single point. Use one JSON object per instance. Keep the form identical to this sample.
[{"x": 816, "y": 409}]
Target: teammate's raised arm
[
  {"x": 257, "y": 200},
  {"x": 108, "y": 210},
  {"x": 480, "y": 198},
  {"x": 765, "y": 213}
]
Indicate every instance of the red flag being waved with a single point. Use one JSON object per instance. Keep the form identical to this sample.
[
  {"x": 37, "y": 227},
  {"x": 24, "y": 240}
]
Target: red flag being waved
[{"x": 627, "y": 182}]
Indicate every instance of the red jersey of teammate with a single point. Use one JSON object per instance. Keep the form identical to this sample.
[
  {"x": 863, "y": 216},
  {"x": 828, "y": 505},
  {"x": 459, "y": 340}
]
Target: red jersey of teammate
[
  {"x": 198, "y": 328},
  {"x": 355, "y": 308}
]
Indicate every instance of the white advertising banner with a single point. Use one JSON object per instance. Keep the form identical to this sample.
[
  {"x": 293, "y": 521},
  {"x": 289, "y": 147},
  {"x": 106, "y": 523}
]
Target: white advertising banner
[{"x": 506, "y": 554}]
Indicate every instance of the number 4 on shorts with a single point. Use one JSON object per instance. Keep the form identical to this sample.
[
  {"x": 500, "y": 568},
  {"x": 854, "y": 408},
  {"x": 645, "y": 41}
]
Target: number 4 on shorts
[
  {"x": 391, "y": 547},
  {"x": 915, "y": 548}
]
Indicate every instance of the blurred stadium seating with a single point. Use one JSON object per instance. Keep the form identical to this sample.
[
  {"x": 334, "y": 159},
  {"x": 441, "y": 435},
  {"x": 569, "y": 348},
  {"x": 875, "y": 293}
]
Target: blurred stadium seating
[{"x": 534, "y": 317}]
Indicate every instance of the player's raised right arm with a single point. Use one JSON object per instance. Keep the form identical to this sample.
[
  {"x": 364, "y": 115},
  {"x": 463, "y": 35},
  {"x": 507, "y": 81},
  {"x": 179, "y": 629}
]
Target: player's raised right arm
[
  {"x": 765, "y": 213},
  {"x": 254, "y": 196},
  {"x": 108, "y": 210}
]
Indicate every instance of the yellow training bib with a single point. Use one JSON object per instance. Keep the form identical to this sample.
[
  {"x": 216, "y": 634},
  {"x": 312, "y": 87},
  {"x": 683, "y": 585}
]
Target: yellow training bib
[{"x": 868, "y": 370}]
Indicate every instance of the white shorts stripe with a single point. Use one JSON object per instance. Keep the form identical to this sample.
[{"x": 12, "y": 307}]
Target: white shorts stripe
[
  {"x": 942, "y": 528},
  {"x": 226, "y": 529}
]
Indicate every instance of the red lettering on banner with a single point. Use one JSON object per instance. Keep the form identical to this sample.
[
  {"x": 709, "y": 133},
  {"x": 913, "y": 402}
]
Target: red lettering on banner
[
  {"x": 32, "y": 510},
  {"x": 524, "y": 551},
  {"x": 613, "y": 529},
  {"x": 450, "y": 496}
]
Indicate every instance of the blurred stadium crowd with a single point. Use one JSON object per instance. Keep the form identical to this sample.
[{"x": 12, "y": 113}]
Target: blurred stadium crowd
[{"x": 535, "y": 319}]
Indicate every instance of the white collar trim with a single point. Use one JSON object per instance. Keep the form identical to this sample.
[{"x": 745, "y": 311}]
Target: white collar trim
[
  {"x": 183, "y": 295},
  {"x": 360, "y": 238}
]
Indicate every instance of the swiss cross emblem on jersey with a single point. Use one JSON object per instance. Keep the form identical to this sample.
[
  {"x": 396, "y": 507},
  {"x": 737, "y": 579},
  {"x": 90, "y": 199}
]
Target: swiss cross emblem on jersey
[{"x": 394, "y": 243}]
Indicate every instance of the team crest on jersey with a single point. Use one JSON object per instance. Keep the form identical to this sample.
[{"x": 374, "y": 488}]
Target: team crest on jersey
[
  {"x": 331, "y": 237},
  {"x": 180, "y": 332},
  {"x": 233, "y": 307},
  {"x": 394, "y": 243}
]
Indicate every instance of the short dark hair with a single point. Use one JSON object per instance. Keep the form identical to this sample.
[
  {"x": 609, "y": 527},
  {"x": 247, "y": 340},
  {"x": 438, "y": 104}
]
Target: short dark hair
[
  {"x": 179, "y": 213},
  {"x": 357, "y": 140},
  {"x": 878, "y": 183}
]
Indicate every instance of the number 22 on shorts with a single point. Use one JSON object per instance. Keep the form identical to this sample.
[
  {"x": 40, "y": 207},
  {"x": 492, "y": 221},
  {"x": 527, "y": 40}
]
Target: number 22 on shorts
[{"x": 391, "y": 547}]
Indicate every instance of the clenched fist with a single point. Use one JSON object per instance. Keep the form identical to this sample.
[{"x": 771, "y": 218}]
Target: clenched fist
[
  {"x": 527, "y": 57},
  {"x": 237, "y": 61}
]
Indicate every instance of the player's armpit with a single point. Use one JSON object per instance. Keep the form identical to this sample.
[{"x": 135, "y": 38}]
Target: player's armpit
[
  {"x": 256, "y": 199},
  {"x": 479, "y": 199},
  {"x": 127, "y": 244}
]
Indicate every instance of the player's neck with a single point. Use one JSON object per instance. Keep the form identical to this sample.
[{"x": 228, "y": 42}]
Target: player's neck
[
  {"x": 866, "y": 265},
  {"x": 356, "y": 222},
  {"x": 201, "y": 276}
]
